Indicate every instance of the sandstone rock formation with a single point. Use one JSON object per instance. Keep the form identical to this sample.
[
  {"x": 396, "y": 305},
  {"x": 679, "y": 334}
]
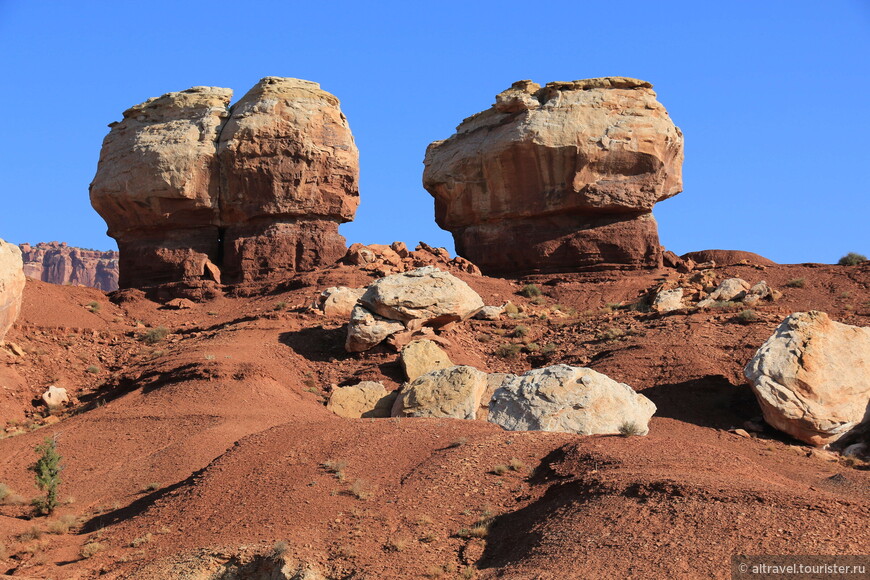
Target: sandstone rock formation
[
  {"x": 452, "y": 392},
  {"x": 572, "y": 170},
  {"x": 419, "y": 357},
  {"x": 55, "y": 397},
  {"x": 367, "y": 330},
  {"x": 58, "y": 263},
  {"x": 338, "y": 300},
  {"x": 385, "y": 260},
  {"x": 11, "y": 285},
  {"x": 812, "y": 377},
  {"x": 668, "y": 300},
  {"x": 571, "y": 400},
  {"x": 365, "y": 399},
  {"x": 194, "y": 190}
]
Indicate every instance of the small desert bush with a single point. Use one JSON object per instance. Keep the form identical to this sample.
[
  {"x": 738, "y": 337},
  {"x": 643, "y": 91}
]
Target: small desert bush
[
  {"x": 62, "y": 525},
  {"x": 852, "y": 259},
  {"x": 280, "y": 306},
  {"x": 93, "y": 369},
  {"x": 467, "y": 573},
  {"x": 47, "y": 473},
  {"x": 539, "y": 300},
  {"x": 153, "y": 486},
  {"x": 508, "y": 350},
  {"x": 361, "y": 489},
  {"x": 396, "y": 544},
  {"x": 516, "y": 465},
  {"x": 521, "y": 330},
  {"x": 94, "y": 306},
  {"x": 548, "y": 349},
  {"x": 611, "y": 333},
  {"x": 511, "y": 308},
  {"x": 630, "y": 428},
  {"x": 796, "y": 283},
  {"x": 155, "y": 335},
  {"x": 146, "y": 539},
  {"x": 279, "y": 549},
  {"x": 747, "y": 316},
  {"x": 500, "y": 469},
  {"x": 91, "y": 549},
  {"x": 336, "y": 467},
  {"x": 530, "y": 291},
  {"x": 31, "y": 533},
  {"x": 532, "y": 347}
]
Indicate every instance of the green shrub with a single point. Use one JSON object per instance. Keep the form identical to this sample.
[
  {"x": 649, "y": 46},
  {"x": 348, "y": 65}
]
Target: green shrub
[
  {"x": 508, "y": 350},
  {"x": 747, "y": 316},
  {"x": 155, "y": 335},
  {"x": 521, "y": 330},
  {"x": 94, "y": 306},
  {"x": 852, "y": 259},
  {"x": 47, "y": 472},
  {"x": 93, "y": 369},
  {"x": 530, "y": 291},
  {"x": 796, "y": 283}
]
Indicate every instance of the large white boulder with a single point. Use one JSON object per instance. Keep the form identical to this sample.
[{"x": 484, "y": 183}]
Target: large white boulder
[
  {"x": 365, "y": 399},
  {"x": 812, "y": 377},
  {"x": 570, "y": 400}
]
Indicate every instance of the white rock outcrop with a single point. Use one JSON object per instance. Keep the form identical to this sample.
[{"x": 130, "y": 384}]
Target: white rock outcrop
[
  {"x": 453, "y": 392},
  {"x": 570, "y": 400},
  {"x": 11, "y": 285},
  {"x": 812, "y": 377},
  {"x": 419, "y": 357}
]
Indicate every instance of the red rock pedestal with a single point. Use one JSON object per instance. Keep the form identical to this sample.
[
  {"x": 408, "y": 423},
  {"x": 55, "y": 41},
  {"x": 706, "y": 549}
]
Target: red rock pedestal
[{"x": 560, "y": 177}]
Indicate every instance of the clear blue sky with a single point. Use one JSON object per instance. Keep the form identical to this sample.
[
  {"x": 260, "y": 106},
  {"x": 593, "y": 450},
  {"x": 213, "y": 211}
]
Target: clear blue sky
[{"x": 773, "y": 97}]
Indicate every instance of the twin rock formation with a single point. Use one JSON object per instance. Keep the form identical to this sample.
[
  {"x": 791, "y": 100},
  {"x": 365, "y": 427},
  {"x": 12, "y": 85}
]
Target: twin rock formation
[{"x": 194, "y": 190}]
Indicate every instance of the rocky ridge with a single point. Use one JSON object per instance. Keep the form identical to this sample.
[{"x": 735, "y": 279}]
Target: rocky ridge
[{"x": 58, "y": 263}]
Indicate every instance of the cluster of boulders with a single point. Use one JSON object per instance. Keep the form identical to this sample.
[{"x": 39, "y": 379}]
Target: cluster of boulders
[
  {"x": 11, "y": 285},
  {"x": 384, "y": 260},
  {"x": 409, "y": 301},
  {"x": 572, "y": 169},
  {"x": 558, "y": 398},
  {"x": 706, "y": 294},
  {"x": 195, "y": 191}
]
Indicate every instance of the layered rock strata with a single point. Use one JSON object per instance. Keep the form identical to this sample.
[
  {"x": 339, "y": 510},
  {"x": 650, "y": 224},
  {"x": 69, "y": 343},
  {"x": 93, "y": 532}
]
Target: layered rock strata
[
  {"x": 58, "y": 263},
  {"x": 195, "y": 190},
  {"x": 559, "y": 177}
]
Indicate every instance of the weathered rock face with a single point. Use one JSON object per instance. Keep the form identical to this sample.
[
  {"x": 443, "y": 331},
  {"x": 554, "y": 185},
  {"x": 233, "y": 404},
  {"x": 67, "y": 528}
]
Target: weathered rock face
[
  {"x": 57, "y": 263},
  {"x": 452, "y": 392},
  {"x": 193, "y": 190},
  {"x": 366, "y": 399},
  {"x": 812, "y": 377},
  {"x": 571, "y": 400},
  {"x": 419, "y": 357},
  {"x": 571, "y": 169},
  {"x": 11, "y": 285}
]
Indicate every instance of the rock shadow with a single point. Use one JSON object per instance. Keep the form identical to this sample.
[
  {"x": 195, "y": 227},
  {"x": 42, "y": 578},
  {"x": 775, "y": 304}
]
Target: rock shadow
[
  {"x": 133, "y": 509},
  {"x": 711, "y": 401},
  {"x": 318, "y": 344}
]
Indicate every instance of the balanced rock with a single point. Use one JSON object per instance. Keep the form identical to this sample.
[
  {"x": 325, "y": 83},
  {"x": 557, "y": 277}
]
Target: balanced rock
[
  {"x": 570, "y": 170},
  {"x": 11, "y": 285},
  {"x": 419, "y": 357},
  {"x": 195, "y": 190},
  {"x": 426, "y": 295},
  {"x": 452, "y": 392},
  {"x": 367, "y": 330},
  {"x": 366, "y": 399},
  {"x": 571, "y": 400},
  {"x": 812, "y": 377}
]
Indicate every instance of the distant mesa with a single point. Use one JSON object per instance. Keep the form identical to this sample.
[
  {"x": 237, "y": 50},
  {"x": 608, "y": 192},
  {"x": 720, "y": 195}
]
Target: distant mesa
[
  {"x": 198, "y": 192},
  {"x": 58, "y": 263},
  {"x": 560, "y": 177}
]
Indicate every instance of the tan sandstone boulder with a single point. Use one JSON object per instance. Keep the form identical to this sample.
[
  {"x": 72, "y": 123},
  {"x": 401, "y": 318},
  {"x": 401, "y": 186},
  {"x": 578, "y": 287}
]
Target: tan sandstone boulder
[
  {"x": 339, "y": 300},
  {"x": 453, "y": 392},
  {"x": 366, "y": 399},
  {"x": 55, "y": 397},
  {"x": 571, "y": 400},
  {"x": 812, "y": 377},
  {"x": 668, "y": 300},
  {"x": 11, "y": 285},
  {"x": 419, "y": 357},
  {"x": 570, "y": 170},
  {"x": 426, "y": 295}
]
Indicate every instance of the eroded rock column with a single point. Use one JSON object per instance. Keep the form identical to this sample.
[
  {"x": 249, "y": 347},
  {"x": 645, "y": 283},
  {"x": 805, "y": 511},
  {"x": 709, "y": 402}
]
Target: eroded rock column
[{"x": 559, "y": 177}]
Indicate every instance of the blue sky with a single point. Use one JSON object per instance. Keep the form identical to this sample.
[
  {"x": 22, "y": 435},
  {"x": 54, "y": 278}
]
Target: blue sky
[{"x": 773, "y": 97}]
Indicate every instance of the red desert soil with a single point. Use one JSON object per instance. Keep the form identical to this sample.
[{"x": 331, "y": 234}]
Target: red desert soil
[{"x": 204, "y": 452}]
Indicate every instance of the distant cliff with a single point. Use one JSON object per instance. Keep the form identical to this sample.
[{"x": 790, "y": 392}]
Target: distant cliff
[{"x": 57, "y": 263}]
